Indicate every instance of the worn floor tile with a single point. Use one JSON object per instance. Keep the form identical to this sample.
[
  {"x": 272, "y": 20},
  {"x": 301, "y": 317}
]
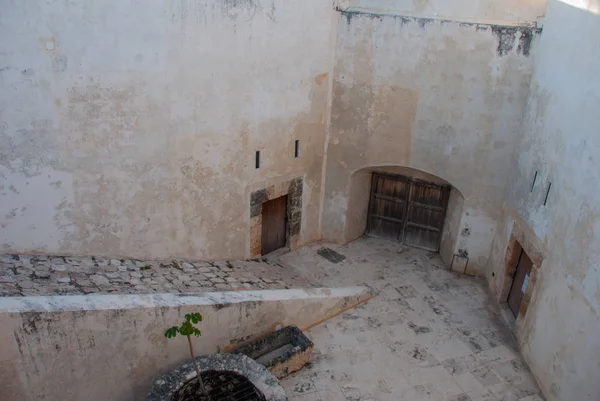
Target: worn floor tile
[
  {"x": 430, "y": 335},
  {"x": 306, "y": 397},
  {"x": 488, "y": 397},
  {"x": 471, "y": 386},
  {"x": 299, "y": 384},
  {"x": 532, "y": 398},
  {"x": 331, "y": 395}
]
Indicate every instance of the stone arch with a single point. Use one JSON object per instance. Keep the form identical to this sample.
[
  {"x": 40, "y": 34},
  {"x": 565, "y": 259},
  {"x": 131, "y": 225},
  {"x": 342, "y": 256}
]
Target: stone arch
[{"x": 358, "y": 204}]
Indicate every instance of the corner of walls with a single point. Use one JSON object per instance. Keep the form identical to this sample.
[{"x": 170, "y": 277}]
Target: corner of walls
[
  {"x": 507, "y": 216},
  {"x": 334, "y": 21}
]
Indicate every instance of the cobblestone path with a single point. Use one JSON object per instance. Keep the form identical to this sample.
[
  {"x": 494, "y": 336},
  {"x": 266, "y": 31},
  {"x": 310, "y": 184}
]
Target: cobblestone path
[{"x": 24, "y": 275}]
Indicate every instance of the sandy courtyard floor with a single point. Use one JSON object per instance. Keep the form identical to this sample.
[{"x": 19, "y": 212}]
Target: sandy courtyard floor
[{"x": 429, "y": 335}]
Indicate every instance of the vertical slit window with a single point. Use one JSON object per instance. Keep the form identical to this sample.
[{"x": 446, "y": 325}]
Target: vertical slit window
[
  {"x": 297, "y": 148},
  {"x": 534, "y": 180},
  {"x": 547, "y": 193},
  {"x": 257, "y": 159}
]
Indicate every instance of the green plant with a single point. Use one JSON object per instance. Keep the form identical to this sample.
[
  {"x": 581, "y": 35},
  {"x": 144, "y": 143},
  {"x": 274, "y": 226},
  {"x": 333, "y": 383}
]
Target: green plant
[{"x": 187, "y": 329}]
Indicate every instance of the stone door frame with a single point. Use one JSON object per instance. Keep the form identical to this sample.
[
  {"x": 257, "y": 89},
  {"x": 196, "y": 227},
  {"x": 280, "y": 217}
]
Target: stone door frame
[
  {"x": 293, "y": 189},
  {"x": 519, "y": 242}
]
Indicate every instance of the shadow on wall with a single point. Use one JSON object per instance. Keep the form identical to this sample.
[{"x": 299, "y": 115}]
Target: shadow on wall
[{"x": 360, "y": 194}]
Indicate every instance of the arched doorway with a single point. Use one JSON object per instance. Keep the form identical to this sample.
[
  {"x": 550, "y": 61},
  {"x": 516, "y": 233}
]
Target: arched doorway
[{"x": 359, "y": 209}]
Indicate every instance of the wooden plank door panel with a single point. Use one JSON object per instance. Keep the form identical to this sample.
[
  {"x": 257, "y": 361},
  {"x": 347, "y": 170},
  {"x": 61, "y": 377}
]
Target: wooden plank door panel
[
  {"x": 428, "y": 194},
  {"x": 421, "y": 238},
  {"x": 519, "y": 284},
  {"x": 387, "y": 206},
  {"x": 426, "y": 214},
  {"x": 393, "y": 187},
  {"x": 274, "y": 214},
  {"x": 425, "y": 218}
]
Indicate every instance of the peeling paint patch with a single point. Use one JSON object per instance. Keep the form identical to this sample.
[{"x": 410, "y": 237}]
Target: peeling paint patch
[
  {"x": 424, "y": 21},
  {"x": 234, "y": 9},
  {"x": 525, "y": 39},
  {"x": 507, "y": 37},
  {"x": 350, "y": 14}
]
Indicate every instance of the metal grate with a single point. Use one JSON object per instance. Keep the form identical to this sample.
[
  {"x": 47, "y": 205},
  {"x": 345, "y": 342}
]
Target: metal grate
[
  {"x": 331, "y": 255},
  {"x": 223, "y": 386}
]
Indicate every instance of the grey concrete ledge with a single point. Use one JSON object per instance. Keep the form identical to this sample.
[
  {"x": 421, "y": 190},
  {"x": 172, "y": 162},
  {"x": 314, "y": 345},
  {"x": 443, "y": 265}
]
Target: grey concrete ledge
[{"x": 61, "y": 303}]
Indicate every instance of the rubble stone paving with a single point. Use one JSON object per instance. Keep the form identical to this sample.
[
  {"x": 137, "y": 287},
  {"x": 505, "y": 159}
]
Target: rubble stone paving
[{"x": 29, "y": 275}]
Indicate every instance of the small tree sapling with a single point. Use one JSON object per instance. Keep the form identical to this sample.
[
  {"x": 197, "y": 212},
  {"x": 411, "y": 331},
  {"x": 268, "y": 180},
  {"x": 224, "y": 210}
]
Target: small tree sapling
[{"x": 187, "y": 329}]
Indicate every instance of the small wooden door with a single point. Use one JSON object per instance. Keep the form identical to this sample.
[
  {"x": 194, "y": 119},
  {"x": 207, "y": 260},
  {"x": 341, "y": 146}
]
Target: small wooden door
[
  {"x": 274, "y": 224},
  {"x": 408, "y": 210},
  {"x": 520, "y": 282}
]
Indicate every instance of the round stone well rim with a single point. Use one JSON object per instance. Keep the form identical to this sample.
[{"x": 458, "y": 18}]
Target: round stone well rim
[{"x": 167, "y": 385}]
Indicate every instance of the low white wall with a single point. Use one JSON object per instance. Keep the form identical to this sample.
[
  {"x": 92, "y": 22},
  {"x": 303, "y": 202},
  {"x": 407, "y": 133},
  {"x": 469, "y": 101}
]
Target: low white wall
[{"x": 111, "y": 347}]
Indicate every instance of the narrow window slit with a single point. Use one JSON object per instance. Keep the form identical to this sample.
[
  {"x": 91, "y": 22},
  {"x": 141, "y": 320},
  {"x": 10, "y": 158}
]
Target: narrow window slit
[
  {"x": 547, "y": 193},
  {"x": 297, "y": 148},
  {"x": 534, "y": 179},
  {"x": 257, "y": 160}
]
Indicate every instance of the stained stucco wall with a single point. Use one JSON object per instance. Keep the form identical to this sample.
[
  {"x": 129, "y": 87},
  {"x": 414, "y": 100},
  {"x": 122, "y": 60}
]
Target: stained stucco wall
[
  {"x": 130, "y": 128},
  {"x": 560, "y": 140},
  {"x": 443, "y": 97}
]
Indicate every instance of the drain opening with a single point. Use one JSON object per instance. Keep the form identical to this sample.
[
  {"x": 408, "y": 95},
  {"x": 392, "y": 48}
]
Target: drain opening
[
  {"x": 331, "y": 255},
  {"x": 221, "y": 386}
]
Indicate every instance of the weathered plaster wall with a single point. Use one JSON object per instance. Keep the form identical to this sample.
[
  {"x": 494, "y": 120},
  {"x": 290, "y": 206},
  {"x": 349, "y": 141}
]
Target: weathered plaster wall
[
  {"x": 560, "y": 140},
  {"x": 129, "y": 129},
  {"x": 109, "y": 347},
  {"x": 452, "y": 232},
  {"x": 443, "y": 97},
  {"x": 490, "y": 11}
]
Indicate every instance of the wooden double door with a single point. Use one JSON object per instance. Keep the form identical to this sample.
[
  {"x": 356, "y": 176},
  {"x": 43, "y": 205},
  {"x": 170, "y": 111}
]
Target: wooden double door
[{"x": 408, "y": 210}]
